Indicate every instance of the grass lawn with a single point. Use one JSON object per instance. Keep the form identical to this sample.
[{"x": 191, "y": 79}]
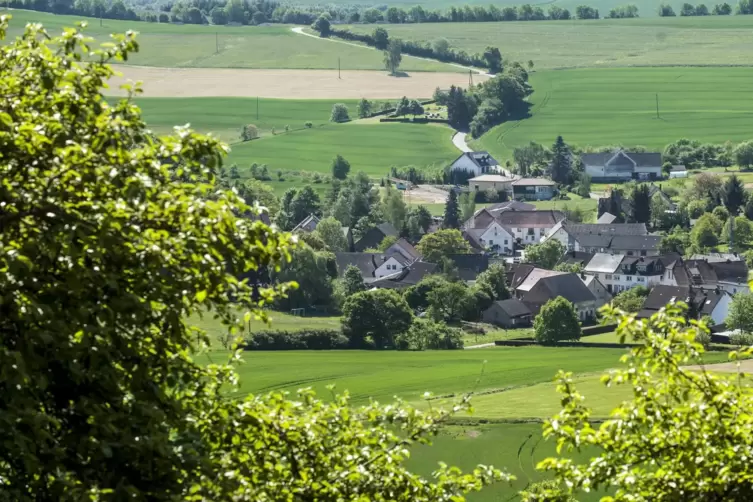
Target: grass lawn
[
  {"x": 618, "y": 106},
  {"x": 710, "y": 40},
  {"x": 239, "y": 46},
  {"x": 369, "y": 148},
  {"x": 224, "y": 117},
  {"x": 383, "y": 375}
]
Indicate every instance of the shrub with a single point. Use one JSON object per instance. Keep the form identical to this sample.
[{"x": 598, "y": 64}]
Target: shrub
[
  {"x": 427, "y": 334},
  {"x": 308, "y": 125},
  {"x": 339, "y": 113},
  {"x": 556, "y": 322},
  {"x": 741, "y": 339},
  {"x": 312, "y": 339},
  {"x": 249, "y": 132}
]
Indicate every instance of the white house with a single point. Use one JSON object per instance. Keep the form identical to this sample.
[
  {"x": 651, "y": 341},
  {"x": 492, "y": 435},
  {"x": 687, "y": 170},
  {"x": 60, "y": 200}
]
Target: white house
[
  {"x": 714, "y": 303},
  {"x": 477, "y": 163},
  {"x": 622, "y": 166},
  {"x": 497, "y": 238},
  {"x": 678, "y": 172},
  {"x": 619, "y": 272},
  {"x": 371, "y": 265},
  {"x": 495, "y": 182},
  {"x": 501, "y": 231},
  {"x": 530, "y": 226}
]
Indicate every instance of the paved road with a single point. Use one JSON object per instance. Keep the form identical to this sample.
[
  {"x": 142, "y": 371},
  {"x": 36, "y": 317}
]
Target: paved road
[
  {"x": 299, "y": 30},
  {"x": 458, "y": 139},
  {"x": 480, "y": 346}
]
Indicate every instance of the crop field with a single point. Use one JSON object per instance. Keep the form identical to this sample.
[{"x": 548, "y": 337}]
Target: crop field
[
  {"x": 224, "y": 117},
  {"x": 369, "y": 148},
  {"x": 194, "y": 46},
  {"x": 600, "y": 107},
  {"x": 710, "y": 40}
]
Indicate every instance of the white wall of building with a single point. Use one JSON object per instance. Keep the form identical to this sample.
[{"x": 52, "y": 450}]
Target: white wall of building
[
  {"x": 389, "y": 267},
  {"x": 722, "y": 308},
  {"x": 618, "y": 282},
  {"x": 466, "y": 164},
  {"x": 496, "y": 234}
]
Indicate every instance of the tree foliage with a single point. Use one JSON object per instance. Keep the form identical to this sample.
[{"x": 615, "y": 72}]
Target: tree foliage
[
  {"x": 561, "y": 161},
  {"x": 740, "y": 314},
  {"x": 631, "y": 300},
  {"x": 640, "y": 204},
  {"x": 393, "y": 55},
  {"x": 544, "y": 255},
  {"x": 493, "y": 281},
  {"x": 331, "y": 232},
  {"x": 340, "y": 167},
  {"x": 556, "y": 322},
  {"x": 375, "y": 318},
  {"x": 640, "y": 453},
  {"x": 350, "y": 283},
  {"x": 705, "y": 233},
  {"x": 734, "y": 194},
  {"x": 339, "y": 113},
  {"x": 437, "y": 245},
  {"x": 451, "y": 211}
]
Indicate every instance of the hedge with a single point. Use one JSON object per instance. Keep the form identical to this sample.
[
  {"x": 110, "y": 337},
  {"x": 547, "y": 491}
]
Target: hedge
[{"x": 312, "y": 339}]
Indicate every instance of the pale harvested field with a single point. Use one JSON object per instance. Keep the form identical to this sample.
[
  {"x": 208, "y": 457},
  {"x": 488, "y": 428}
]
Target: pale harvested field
[{"x": 302, "y": 84}]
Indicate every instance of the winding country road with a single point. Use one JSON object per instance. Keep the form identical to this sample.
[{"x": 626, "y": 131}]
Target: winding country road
[
  {"x": 458, "y": 139},
  {"x": 299, "y": 30}
]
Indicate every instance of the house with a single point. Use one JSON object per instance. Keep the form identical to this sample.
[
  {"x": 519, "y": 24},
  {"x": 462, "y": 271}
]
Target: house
[
  {"x": 529, "y": 226},
  {"x": 619, "y": 272},
  {"x": 494, "y": 237},
  {"x": 499, "y": 231},
  {"x": 568, "y": 286},
  {"x": 635, "y": 245},
  {"x": 575, "y": 258},
  {"x": 622, "y": 166},
  {"x": 510, "y": 313},
  {"x": 525, "y": 279},
  {"x": 404, "y": 249},
  {"x": 476, "y": 163},
  {"x": 410, "y": 275},
  {"x": 469, "y": 266},
  {"x": 372, "y": 265},
  {"x": 730, "y": 276},
  {"x": 717, "y": 257},
  {"x": 598, "y": 289},
  {"x": 494, "y": 182},
  {"x": 678, "y": 172},
  {"x": 533, "y": 189},
  {"x": 486, "y": 215},
  {"x": 375, "y": 236},
  {"x": 308, "y": 224},
  {"x": 592, "y": 237},
  {"x": 714, "y": 303}
]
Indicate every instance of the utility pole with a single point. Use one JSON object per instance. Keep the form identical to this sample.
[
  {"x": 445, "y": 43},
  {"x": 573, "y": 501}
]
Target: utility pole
[
  {"x": 257, "y": 108},
  {"x": 657, "y": 105},
  {"x": 338, "y": 68},
  {"x": 216, "y": 43},
  {"x": 470, "y": 78}
]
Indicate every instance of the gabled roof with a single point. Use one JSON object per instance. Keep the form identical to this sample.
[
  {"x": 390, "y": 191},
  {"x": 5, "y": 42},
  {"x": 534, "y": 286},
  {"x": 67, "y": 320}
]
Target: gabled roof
[
  {"x": 407, "y": 247},
  {"x": 704, "y": 300},
  {"x": 604, "y": 263},
  {"x": 517, "y": 274},
  {"x": 533, "y": 278},
  {"x": 408, "y": 276},
  {"x": 514, "y": 308},
  {"x": 635, "y": 242},
  {"x": 510, "y": 205},
  {"x": 496, "y": 178},
  {"x": 717, "y": 257},
  {"x": 375, "y": 236},
  {"x": 473, "y": 236},
  {"x": 308, "y": 220},
  {"x": 529, "y": 219},
  {"x": 475, "y": 262},
  {"x": 387, "y": 229},
  {"x": 367, "y": 263},
  {"x": 606, "y": 218},
  {"x": 606, "y": 228},
  {"x": 568, "y": 286},
  {"x": 640, "y": 159},
  {"x": 678, "y": 169},
  {"x": 533, "y": 182},
  {"x": 482, "y": 159},
  {"x": 733, "y": 271},
  {"x": 576, "y": 257},
  {"x": 593, "y": 241}
]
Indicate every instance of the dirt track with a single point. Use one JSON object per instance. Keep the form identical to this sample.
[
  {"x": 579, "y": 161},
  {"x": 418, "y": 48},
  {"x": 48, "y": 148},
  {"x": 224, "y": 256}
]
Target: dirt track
[{"x": 301, "y": 84}]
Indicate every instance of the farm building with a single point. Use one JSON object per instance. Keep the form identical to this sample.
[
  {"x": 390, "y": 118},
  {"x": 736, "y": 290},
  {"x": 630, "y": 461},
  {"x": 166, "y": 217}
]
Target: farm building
[
  {"x": 510, "y": 313},
  {"x": 495, "y": 182},
  {"x": 622, "y": 166},
  {"x": 533, "y": 189}
]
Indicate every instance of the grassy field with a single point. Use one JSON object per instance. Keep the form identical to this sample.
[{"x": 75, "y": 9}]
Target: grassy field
[
  {"x": 711, "y": 40},
  {"x": 618, "y": 106},
  {"x": 224, "y": 46},
  {"x": 224, "y": 117},
  {"x": 369, "y": 148}
]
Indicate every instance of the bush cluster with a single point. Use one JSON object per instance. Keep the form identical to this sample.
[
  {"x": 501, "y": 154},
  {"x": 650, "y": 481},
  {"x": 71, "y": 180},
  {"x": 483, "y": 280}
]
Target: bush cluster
[{"x": 309, "y": 339}]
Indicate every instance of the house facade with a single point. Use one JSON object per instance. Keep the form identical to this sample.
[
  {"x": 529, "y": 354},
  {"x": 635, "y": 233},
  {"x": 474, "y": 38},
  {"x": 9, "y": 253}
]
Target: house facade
[
  {"x": 593, "y": 237},
  {"x": 371, "y": 265},
  {"x": 501, "y": 231},
  {"x": 622, "y": 166},
  {"x": 701, "y": 302},
  {"x": 495, "y": 182},
  {"x": 508, "y": 314},
  {"x": 476, "y": 163},
  {"x": 530, "y": 226},
  {"x": 620, "y": 272},
  {"x": 533, "y": 189}
]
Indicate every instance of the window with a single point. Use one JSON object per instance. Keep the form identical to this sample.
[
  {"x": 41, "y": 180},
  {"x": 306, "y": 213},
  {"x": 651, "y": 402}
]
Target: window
[
  {"x": 630, "y": 253},
  {"x": 643, "y": 252},
  {"x": 608, "y": 276},
  {"x": 530, "y": 231},
  {"x": 505, "y": 242},
  {"x": 628, "y": 278},
  {"x": 491, "y": 242},
  {"x": 641, "y": 279},
  {"x": 616, "y": 277}
]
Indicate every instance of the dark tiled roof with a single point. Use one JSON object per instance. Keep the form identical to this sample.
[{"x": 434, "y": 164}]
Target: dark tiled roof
[
  {"x": 568, "y": 286},
  {"x": 475, "y": 263},
  {"x": 367, "y": 263},
  {"x": 635, "y": 242},
  {"x": 640, "y": 159},
  {"x": 374, "y": 236},
  {"x": 473, "y": 236},
  {"x": 606, "y": 228},
  {"x": 530, "y": 218},
  {"x": 580, "y": 257},
  {"x": 606, "y": 218},
  {"x": 593, "y": 240},
  {"x": 734, "y": 271},
  {"x": 510, "y": 205},
  {"x": 387, "y": 229},
  {"x": 704, "y": 300},
  {"x": 407, "y": 247},
  {"x": 514, "y": 308},
  {"x": 410, "y": 275},
  {"x": 519, "y": 274}
]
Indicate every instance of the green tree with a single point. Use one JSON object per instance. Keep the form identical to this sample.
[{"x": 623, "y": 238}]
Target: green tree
[
  {"x": 676, "y": 241},
  {"x": 493, "y": 280},
  {"x": 631, "y": 300},
  {"x": 388, "y": 241},
  {"x": 322, "y": 25},
  {"x": 527, "y": 156},
  {"x": 249, "y": 132},
  {"x": 493, "y": 59},
  {"x": 705, "y": 233},
  {"x": 428, "y": 334},
  {"x": 416, "y": 108},
  {"x": 256, "y": 192},
  {"x": 330, "y": 232},
  {"x": 658, "y": 212},
  {"x": 375, "y": 317},
  {"x": 296, "y": 204},
  {"x": 544, "y": 255},
  {"x": 393, "y": 207},
  {"x": 744, "y": 151},
  {"x": 393, "y": 55},
  {"x": 556, "y": 322},
  {"x": 339, "y": 113},
  {"x": 340, "y": 167},
  {"x": 417, "y": 295},
  {"x": 364, "y": 108},
  {"x": 219, "y": 16},
  {"x": 734, "y": 194},
  {"x": 437, "y": 245},
  {"x": 350, "y": 283},
  {"x": 467, "y": 206},
  {"x": 639, "y": 453},
  {"x": 314, "y": 271},
  {"x": 583, "y": 187},
  {"x": 449, "y": 302},
  {"x": 666, "y": 10},
  {"x": 723, "y": 9},
  {"x": 561, "y": 159},
  {"x": 641, "y": 204},
  {"x": 381, "y": 38},
  {"x": 574, "y": 268},
  {"x": 424, "y": 217},
  {"x": 740, "y": 314},
  {"x": 234, "y": 10},
  {"x": 720, "y": 213},
  {"x": 451, "y": 212}
]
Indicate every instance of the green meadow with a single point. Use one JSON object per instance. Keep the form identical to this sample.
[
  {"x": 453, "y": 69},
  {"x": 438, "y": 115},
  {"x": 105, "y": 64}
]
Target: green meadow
[
  {"x": 600, "y": 107},
  {"x": 371, "y": 148},
  {"x": 186, "y": 46},
  {"x": 709, "y": 40}
]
